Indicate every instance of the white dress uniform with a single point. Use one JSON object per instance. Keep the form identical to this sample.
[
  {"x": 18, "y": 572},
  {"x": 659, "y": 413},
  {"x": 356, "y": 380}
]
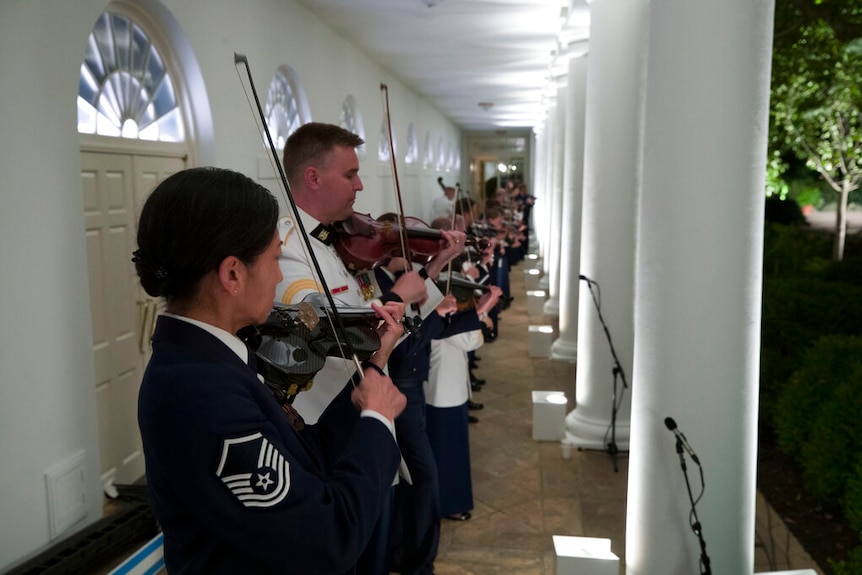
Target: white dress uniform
[
  {"x": 448, "y": 382},
  {"x": 347, "y": 289},
  {"x": 300, "y": 281},
  {"x": 446, "y": 394},
  {"x": 442, "y": 206}
]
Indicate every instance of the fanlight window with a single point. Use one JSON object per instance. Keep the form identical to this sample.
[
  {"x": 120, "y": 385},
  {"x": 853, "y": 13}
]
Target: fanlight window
[
  {"x": 428, "y": 160},
  {"x": 351, "y": 120},
  {"x": 441, "y": 155},
  {"x": 454, "y": 162},
  {"x": 124, "y": 88},
  {"x": 412, "y": 155},
  {"x": 282, "y": 109},
  {"x": 383, "y": 151}
]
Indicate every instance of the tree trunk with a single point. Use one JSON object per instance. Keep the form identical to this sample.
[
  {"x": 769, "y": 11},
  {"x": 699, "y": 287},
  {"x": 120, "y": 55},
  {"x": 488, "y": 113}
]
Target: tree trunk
[{"x": 841, "y": 222}]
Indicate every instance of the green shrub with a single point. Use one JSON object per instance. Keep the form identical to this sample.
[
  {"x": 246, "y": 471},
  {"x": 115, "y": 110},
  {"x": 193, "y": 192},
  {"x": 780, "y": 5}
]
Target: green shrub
[
  {"x": 853, "y": 565},
  {"x": 785, "y": 211},
  {"x": 788, "y": 248},
  {"x": 829, "y": 371},
  {"x": 853, "y": 497},
  {"x": 811, "y": 365},
  {"x": 796, "y": 311},
  {"x": 833, "y": 446},
  {"x": 806, "y": 195},
  {"x": 848, "y": 271}
]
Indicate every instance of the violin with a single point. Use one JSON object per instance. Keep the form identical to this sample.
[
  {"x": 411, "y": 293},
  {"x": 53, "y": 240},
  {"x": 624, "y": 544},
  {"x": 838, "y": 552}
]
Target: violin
[
  {"x": 293, "y": 343},
  {"x": 465, "y": 291},
  {"x": 364, "y": 242},
  {"x": 483, "y": 230}
]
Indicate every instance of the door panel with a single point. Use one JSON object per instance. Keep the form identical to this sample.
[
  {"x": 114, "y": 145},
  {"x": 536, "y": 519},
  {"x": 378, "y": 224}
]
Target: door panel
[{"x": 115, "y": 186}]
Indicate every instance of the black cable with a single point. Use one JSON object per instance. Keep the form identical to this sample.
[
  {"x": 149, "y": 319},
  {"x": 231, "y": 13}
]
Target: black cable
[
  {"x": 693, "y": 520},
  {"x": 618, "y": 372}
]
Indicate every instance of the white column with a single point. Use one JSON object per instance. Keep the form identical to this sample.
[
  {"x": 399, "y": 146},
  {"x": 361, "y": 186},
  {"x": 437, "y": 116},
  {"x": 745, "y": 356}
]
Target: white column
[
  {"x": 611, "y": 164},
  {"x": 566, "y": 346},
  {"x": 538, "y": 189},
  {"x": 536, "y": 182},
  {"x": 552, "y": 305},
  {"x": 554, "y": 185},
  {"x": 697, "y": 320},
  {"x": 543, "y": 202}
]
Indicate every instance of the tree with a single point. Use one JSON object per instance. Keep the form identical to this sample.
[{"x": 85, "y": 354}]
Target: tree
[
  {"x": 843, "y": 16},
  {"x": 816, "y": 106}
]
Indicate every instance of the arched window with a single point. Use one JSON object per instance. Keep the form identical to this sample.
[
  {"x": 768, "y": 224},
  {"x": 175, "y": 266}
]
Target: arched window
[
  {"x": 441, "y": 156},
  {"x": 412, "y": 156},
  {"x": 285, "y": 106},
  {"x": 125, "y": 89},
  {"x": 351, "y": 119},
  {"x": 454, "y": 161},
  {"x": 383, "y": 152},
  {"x": 428, "y": 158}
]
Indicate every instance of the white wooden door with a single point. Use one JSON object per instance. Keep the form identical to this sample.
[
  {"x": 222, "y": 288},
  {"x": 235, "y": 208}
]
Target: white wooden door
[{"x": 115, "y": 186}]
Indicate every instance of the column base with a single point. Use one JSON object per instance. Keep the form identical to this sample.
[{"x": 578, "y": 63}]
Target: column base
[
  {"x": 552, "y": 306},
  {"x": 596, "y": 434},
  {"x": 563, "y": 350}
]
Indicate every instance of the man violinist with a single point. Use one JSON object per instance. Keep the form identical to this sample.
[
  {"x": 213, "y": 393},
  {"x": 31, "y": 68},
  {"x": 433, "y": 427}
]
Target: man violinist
[
  {"x": 415, "y": 529},
  {"x": 443, "y": 205},
  {"x": 322, "y": 167}
]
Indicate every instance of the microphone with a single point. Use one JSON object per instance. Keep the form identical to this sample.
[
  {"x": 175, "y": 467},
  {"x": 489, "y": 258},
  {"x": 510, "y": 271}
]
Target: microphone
[
  {"x": 671, "y": 425},
  {"x": 586, "y": 279}
]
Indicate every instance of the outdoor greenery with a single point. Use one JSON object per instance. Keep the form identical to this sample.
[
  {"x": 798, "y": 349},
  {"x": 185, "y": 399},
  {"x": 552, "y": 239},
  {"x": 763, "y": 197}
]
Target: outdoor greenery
[
  {"x": 811, "y": 353},
  {"x": 811, "y": 367},
  {"x": 816, "y": 105}
]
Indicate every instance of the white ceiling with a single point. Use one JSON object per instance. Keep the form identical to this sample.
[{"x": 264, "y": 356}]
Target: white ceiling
[{"x": 460, "y": 54}]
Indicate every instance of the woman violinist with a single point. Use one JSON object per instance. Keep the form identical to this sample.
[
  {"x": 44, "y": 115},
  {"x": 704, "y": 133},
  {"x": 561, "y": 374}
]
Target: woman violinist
[{"x": 235, "y": 483}]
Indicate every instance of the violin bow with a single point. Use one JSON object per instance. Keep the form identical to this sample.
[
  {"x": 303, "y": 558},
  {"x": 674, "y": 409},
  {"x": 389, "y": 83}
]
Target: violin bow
[
  {"x": 240, "y": 59},
  {"x": 384, "y": 89},
  {"x": 451, "y": 227}
]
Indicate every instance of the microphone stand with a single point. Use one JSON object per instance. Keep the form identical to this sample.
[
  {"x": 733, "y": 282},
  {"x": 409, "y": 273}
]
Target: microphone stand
[
  {"x": 694, "y": 521},
  {"x": 618, "y": 375}
]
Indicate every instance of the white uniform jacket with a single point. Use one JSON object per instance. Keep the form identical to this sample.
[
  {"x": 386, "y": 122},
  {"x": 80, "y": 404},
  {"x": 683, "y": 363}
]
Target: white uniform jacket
[
  {"x": 347, "y": 289},
  {"x": 448, "y": 382}
]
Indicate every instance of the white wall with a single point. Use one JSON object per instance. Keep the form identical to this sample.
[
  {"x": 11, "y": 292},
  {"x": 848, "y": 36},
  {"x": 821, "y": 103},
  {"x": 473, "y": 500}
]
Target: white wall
[
  {"x": 47, "y": 399},
  {"x": 277, "y": 33}
]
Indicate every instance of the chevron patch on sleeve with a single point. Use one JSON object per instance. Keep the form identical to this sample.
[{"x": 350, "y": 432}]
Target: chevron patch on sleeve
[{"x": 254, "y": 470}]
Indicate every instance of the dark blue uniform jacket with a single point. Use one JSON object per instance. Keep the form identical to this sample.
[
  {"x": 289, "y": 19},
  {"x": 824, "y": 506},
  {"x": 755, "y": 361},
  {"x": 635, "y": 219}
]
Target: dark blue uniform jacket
[{"x": 236, "y": 488}]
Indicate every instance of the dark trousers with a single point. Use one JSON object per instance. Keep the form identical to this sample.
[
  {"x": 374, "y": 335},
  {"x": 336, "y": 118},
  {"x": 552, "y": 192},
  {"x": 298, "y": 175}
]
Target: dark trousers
[{"x": 415, "y": 531}]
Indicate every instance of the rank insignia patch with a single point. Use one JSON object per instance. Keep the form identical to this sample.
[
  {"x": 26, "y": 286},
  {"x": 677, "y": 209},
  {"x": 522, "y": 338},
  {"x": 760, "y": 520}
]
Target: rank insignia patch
[{"x": 255, "y": 472}]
